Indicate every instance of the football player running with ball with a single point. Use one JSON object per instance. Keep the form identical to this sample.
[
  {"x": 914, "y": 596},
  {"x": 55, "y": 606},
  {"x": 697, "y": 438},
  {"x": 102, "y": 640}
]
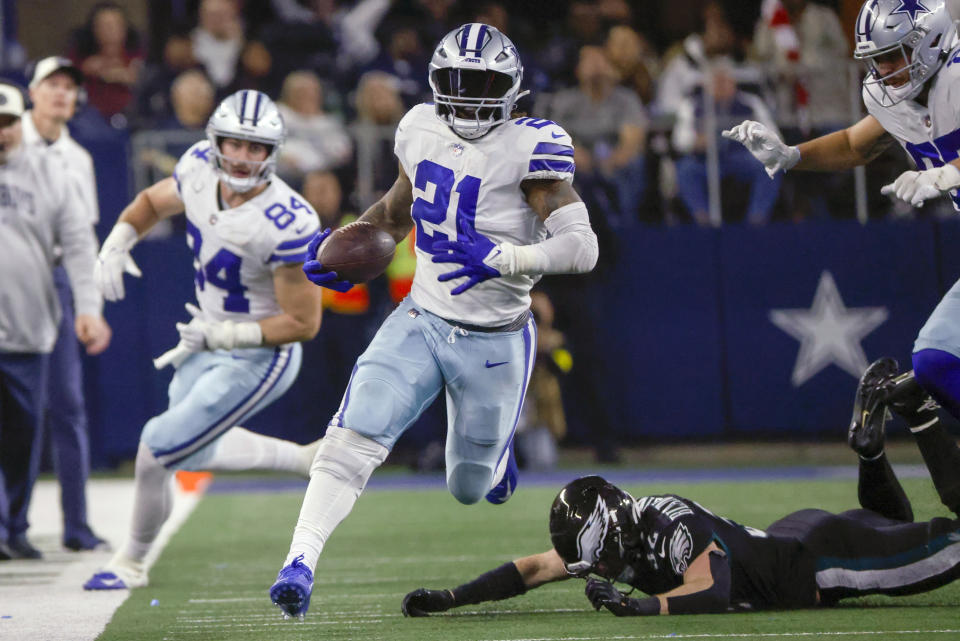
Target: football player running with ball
[
  {"x": 240, "y": 352},
  {"x": 912, "y": 93},
  {"x": 494, "y": 209}
]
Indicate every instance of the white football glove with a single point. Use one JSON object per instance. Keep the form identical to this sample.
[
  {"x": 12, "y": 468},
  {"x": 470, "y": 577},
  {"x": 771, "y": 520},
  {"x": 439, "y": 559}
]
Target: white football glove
[
  {"x": 200, "y": 334},
  {"x": 764, "y": 145},
  {"x": 114, "y": 259},
  {"x": 914, "y": 187}
]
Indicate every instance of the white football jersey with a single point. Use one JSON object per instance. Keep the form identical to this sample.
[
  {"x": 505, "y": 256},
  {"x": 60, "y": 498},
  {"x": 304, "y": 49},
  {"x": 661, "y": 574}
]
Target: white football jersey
[
  {"x": 931, "y": 133},
  {"x": 236, "y": 250},
  {"x": 462, "y": 187}
]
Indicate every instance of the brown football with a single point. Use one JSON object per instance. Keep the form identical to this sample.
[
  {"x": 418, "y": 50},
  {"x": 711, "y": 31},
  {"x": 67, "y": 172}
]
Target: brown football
[{"x": 357, "y": 252}]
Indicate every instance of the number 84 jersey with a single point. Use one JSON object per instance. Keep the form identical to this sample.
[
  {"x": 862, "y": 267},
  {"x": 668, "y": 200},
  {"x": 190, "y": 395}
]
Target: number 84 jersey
[
  {"x": 929, "y": 132},
  {"x": 236, "y": 250},
  {"x": 469, "y": 190}
]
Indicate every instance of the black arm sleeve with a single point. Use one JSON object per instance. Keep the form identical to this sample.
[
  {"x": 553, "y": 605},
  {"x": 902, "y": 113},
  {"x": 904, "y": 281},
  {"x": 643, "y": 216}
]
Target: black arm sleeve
[
  {"x": 714, "y": 599},
  {"x": 501, "y": 583}
]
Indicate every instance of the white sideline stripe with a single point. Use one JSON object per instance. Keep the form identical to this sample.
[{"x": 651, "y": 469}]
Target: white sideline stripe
[{"x": 84, "y": 614}]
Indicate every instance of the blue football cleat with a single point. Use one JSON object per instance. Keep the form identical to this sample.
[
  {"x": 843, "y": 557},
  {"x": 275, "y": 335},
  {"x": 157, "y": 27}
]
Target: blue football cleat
[
  {"x": 105, "y": 581},
  {"x": 291, "y": 591},
  {"x": 503, "y": 490}
]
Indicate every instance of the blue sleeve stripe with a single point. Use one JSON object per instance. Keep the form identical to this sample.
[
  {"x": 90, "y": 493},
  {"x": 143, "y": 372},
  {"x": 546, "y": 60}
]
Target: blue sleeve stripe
[
  {"x": 551, "y": 157},
  {"x": 552, "y": 165},
  {"x": 553, "y": 148},
  {"x": 288, "y": 258},
  {"x": 177, "y": 179},
  {"x": 293, "y": 244}
]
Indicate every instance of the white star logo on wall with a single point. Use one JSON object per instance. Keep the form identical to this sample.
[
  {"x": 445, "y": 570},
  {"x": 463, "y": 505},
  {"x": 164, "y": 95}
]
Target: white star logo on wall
[{"x": 829, "y": 332}]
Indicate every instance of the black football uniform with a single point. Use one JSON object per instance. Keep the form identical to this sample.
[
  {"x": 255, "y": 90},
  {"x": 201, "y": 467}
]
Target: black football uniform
[
  {"x": 807, "y": 557},
  {"x": 765, "y": 571}
]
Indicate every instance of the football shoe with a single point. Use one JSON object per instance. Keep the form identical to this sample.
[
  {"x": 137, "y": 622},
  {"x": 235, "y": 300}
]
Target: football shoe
[
  {"x": 509, "y": 477},
  {"x": 291, "y": 591},
  {"x": 870, "y": 414},
  {"x": 122, "y": 573}
]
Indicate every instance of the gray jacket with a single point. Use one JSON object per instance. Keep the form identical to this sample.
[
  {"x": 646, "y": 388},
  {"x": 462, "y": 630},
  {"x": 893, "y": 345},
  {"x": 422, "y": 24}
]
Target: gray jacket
[{"x": 38, "y": 210}]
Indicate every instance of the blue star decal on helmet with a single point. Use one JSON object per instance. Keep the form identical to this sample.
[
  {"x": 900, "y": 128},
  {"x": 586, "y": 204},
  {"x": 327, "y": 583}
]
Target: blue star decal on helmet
[{"x": 911, "y": 8}]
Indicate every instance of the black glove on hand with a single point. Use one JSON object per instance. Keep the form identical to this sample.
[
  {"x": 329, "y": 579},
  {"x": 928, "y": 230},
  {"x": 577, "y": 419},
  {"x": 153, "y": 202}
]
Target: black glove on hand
[
  {"x": 421, "y": 602},
  {"x": 603, "y": 594}
]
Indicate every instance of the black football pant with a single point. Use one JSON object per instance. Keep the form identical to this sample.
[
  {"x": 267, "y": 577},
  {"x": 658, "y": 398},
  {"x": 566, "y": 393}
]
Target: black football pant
[{"x": 877, "y": 549}]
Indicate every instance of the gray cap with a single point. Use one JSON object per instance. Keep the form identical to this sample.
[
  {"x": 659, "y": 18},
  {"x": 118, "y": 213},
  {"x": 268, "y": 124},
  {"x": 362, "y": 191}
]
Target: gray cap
[
  {"x": 52, "y": 64},
  {"x": 11, "y": 100}
]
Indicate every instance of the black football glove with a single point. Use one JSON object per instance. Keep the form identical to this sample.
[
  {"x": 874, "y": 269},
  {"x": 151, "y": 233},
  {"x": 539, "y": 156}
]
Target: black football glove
[
  {"x": 421, "y": 602},
  {"x": 603, "y": 594}
]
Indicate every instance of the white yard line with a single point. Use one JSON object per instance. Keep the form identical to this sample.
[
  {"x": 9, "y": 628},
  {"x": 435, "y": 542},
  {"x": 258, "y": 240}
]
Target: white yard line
[{"x": 44, "y": 600}]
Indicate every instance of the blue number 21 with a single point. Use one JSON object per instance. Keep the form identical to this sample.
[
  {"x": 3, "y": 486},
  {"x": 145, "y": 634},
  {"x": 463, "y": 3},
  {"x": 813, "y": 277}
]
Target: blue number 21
[
  {"x": 436, "y": 212},
  {"x": 223, "y": 271}
]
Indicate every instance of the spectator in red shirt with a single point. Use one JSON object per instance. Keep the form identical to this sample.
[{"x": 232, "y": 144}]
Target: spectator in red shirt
[{"x": 107, "y": 50}]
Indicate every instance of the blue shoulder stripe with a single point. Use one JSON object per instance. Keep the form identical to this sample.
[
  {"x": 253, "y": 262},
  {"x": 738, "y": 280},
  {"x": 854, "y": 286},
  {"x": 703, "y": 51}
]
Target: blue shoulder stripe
[
  {"x": 553, "y": 148},
  {"x": 288, "y": 258},
  {"x": 558, "y": 166},
  {"x": 296, "y": 242}
]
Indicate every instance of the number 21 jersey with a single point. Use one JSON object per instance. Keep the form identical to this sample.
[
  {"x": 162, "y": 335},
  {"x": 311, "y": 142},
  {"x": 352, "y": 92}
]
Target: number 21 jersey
[{"x": 468, "y": 188}]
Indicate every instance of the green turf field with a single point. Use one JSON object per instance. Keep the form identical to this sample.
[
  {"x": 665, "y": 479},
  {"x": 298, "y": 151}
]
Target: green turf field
[{"x": 211, "y": 582}]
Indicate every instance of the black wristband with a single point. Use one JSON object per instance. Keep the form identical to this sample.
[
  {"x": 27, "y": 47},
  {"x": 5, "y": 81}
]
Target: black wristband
[
  {"x": 640, "y": 607},
  {"x": 501, "y": 583}
]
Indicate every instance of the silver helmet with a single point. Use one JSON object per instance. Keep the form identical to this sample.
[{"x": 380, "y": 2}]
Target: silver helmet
[
  {"x": 918, "y": 31},
  {"x": 247, "y": 115},
  {"x": 475, "y": 75}
]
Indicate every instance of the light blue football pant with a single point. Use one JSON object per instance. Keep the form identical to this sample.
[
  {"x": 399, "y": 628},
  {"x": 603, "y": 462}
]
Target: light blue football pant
[
  {"x": 212, "y": 392},
  {"x": 942, "y": 329},
  {"x": 414, "y": 356}
]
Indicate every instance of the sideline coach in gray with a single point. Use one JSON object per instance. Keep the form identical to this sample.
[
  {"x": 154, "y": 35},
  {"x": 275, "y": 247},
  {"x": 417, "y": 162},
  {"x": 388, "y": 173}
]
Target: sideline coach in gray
[{"x": 37, "y": 213}]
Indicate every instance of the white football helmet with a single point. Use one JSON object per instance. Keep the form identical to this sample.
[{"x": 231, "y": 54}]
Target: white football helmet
[
  {"x": 247, "y": 115},
  {"x": 475, "y": 75},
  {"x": 921, "y": 31}
]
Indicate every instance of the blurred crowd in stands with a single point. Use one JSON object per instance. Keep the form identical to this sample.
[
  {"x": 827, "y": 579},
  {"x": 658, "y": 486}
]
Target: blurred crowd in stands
[{"x": 638, "y": 84}]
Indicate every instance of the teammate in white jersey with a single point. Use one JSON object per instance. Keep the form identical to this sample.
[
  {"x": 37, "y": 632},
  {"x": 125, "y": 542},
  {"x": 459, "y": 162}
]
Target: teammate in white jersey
[
  {"x": 494, "y": 209},
  {"x": 912, "y": 93},
  {"x": 249, "y": 232}
]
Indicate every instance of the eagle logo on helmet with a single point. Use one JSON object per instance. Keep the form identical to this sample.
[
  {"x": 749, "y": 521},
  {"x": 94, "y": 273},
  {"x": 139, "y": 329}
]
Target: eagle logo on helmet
[{"x": 592, "y": 534}]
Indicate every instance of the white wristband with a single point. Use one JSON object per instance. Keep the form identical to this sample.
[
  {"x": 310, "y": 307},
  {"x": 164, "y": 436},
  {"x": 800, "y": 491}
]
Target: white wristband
[
  {"x": 247, "y": 334},
  {"x": 947, "y": 177},
  {"x": 123, "y": 236}
]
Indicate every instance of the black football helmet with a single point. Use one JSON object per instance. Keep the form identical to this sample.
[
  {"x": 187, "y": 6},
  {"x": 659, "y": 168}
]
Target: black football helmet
[{"x": 589, "y": 520}]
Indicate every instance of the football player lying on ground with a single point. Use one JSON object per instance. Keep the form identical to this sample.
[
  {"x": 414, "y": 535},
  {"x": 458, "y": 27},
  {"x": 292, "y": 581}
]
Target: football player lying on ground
[{"x": 691, "y": 561}]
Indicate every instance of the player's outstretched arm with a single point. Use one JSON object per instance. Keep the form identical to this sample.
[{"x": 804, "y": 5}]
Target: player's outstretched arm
[
  {"x": 856, "y": 145},
  {"x": 508, "y": 580},
  {"x": 851, "y": 147},
  {"x": 705, "y": 590},
  {"x": 154, "y": 203},
  {"x": 392, "y": 212}
]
